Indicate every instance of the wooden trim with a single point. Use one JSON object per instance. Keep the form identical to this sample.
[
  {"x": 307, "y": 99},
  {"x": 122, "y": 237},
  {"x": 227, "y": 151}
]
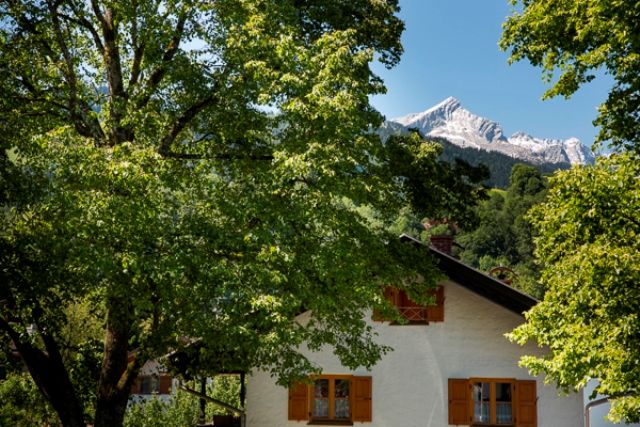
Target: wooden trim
[
  {"x": 492, "y": 400},
  {"x": 298, "y": 408},
  {"x": 435, "y": 312},
  {"x": 459, "y": 397},
  {"x": 362, "y": 392},
  {"x": 526, "y": 411},
  {"x": 165, "y": 383}
]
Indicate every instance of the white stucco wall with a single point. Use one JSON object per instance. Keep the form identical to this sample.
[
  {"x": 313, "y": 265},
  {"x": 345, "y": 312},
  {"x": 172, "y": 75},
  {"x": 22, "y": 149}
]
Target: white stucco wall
[
  {"x": 599, "y": 412},
  {"x": 410, "y": 383}
]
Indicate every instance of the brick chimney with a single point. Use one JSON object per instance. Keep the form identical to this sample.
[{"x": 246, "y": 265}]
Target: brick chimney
[
  {"x": 442, "y": 233},
  {"x": 442, "y": 242}
]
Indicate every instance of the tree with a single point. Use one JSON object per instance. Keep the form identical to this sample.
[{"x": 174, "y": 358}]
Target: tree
[
  {"x": 503, "y": 237},
  {"x": 190, "y": 170},
  {"x": 588, "y": 244},
  {"x": 577, "y": 39}
]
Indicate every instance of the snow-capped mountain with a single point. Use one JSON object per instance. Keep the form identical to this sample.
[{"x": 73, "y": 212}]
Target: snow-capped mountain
[{"x": 451, "y": 121}]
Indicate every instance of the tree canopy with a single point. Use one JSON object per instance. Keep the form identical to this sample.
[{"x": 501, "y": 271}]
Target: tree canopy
[
  {"x": 588, "y": 244},
  {"x": 503, "y": 237},
  {"x": 578, "y": 39},
  {"x": 190, "y": 172}
]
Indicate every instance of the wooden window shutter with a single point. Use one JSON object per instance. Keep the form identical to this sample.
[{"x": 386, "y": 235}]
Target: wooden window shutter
[
  {"x": 390, "y": 294},
  {"x": 526, "y": 403},
  {"x": 164, "y": 386},
  {"x": 435, "y": 313},
  {"x": 136, "y": 386},
  {"x": 299, "y": 402},
  {"x": 362, "y": 404},
  {"x": 459, "y": 398}
]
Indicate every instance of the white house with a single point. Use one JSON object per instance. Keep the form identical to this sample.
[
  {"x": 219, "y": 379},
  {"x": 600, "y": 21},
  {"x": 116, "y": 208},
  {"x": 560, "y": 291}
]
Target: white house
[
  {"x": 451, "y": 365},
  {"x": 153, "y": 380}
]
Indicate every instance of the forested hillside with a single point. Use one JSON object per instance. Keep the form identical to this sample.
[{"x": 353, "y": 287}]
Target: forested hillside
[
  {"x": 504, "y": 236},
  {"x": 499, "y": 165}
]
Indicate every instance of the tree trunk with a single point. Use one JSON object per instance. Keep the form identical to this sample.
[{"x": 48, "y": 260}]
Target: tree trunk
[
  {"x": 50, "y": 375},
  {"x": 117, "y": 374}
]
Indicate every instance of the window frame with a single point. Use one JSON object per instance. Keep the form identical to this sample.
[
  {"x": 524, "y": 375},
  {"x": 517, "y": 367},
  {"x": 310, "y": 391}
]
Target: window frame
[
  {"x": 524, "y": 398},
  {"x": 492, "y": 400},
  {"x": 330, "y": 420},
  {"x": 301, "y": 394},
  {"x": 414, "y": 314}
]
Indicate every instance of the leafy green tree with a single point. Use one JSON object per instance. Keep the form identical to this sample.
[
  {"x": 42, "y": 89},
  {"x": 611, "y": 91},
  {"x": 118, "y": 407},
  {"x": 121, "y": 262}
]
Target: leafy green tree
[
  {"x": 588, "y": 244},
  {"x": 190, "y": 169},
  {"x": 181, "y": 410},
  {"x": 22, "y": 404},
  {"x": 577, "y": 38},
  {"x": 503, "y": 236}
]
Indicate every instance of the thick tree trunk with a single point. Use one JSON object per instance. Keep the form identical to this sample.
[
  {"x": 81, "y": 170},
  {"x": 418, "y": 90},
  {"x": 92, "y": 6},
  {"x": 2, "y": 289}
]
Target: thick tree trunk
[
  {"x": 117, "y": 374},
  {"x": 50, "y": 375}
]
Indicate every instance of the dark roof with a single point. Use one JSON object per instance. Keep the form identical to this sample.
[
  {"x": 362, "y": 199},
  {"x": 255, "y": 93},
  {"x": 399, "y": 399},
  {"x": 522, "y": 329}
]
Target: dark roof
[{"x": 479, "y": 282}]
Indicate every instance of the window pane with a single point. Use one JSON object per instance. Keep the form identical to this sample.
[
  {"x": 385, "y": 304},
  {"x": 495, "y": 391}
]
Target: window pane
[
  {"x": 504, "y": 408},
  {"x": 341, "y": 403},
  {"x": 481, "y": 402},
  {"x": 321, "y": 398}
]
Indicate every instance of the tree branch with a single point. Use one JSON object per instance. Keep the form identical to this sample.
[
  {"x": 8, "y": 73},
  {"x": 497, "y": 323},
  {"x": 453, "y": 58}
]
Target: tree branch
[
  {"x": 78, "y": 109},
  {"x": 183, "y": 121},
  {"x": 214, "y": 401},
  {"x": 191, "y": 156},
  {"x": 117, "y": 133},
  {"x": 138, "y": 50},
  {"x": 50, "y": 375},
  {"x": 81, "y": 20},
  {"x": 158, "y": 74}
]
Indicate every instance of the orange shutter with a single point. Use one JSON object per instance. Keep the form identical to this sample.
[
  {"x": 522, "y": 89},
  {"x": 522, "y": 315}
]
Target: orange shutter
[
  {"x": 409, "y": 309},
  {"x": 390, "y": 295},
  {"x": 459, "y": 398},
  {"x": 135, "y": 387},
  {"x": 362, "y": 404},
  {"x": 164, "y": 386},
  {"x": 299, "y": 402},
  {"x": 435, "y": 313},
  {"x": 526, "y": 402}
]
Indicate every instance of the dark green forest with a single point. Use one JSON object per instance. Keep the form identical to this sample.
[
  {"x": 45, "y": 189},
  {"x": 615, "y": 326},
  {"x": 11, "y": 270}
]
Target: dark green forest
[{"x": 499, "y": 165}]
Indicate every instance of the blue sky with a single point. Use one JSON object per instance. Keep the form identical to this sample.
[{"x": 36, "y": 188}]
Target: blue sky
[{"x": 451, "y": 49}]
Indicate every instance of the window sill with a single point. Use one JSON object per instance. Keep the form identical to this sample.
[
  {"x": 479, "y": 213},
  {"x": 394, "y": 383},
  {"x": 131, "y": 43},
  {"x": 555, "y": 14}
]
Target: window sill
[
  {"x": 330, "y": 423},
  {"x": 491, "y": 425}
]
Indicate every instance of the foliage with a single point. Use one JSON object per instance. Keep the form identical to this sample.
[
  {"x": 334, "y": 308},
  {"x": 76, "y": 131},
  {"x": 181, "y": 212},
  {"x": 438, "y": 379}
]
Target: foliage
[
  {"x": 499, "y": 165},
  {"x": 434, "y": 188},
  {"x": 22, "y": 404},
  {"x": 577, "y": 39},
  {"x": 588, "y": 243},
  {"x": 503, "y": 236},
  {"x": 191, "y": 171},
  {"x": 225, "y": 388},
  {"x": 181, "y": 410}
]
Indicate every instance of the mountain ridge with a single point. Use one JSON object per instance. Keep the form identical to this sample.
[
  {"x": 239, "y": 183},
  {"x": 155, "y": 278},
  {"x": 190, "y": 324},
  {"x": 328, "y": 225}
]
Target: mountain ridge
[{"x": 451, "y": 121}]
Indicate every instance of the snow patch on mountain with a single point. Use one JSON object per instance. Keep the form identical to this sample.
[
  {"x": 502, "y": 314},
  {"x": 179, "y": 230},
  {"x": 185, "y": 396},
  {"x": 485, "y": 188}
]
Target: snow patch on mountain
[{"x": 451, "y": 121}]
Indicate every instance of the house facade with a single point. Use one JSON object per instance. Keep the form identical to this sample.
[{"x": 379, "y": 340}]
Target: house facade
[
  {"x": 451, "y": 365},
  {"x": 153, "y": 380}
]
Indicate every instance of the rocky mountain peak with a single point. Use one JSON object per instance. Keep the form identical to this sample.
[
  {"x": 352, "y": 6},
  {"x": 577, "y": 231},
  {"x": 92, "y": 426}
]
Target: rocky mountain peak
[{"x": 448, "y": 119}]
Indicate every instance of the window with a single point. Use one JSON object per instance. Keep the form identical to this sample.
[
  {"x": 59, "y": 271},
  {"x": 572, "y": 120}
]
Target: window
[
  {"x": 152, "y": 384},
  {"x": 413, "y": 312},
  {"x": 331, "y": 399},
  {"x": 492, "y": 402}
]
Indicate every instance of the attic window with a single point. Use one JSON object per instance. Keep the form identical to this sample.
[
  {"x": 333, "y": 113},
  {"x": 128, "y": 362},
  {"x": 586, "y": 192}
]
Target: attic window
[{"x": 415, "y": 313}]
